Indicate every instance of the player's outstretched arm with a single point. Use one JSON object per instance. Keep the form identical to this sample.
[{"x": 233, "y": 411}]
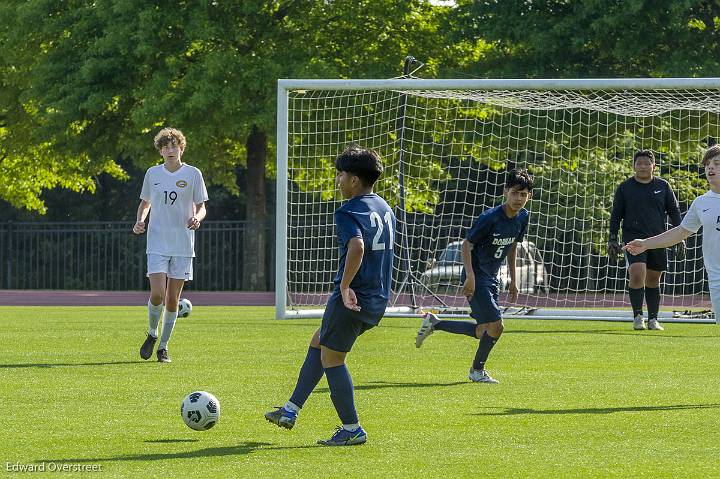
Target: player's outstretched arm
[
  {"x": 142, "y": 212},
  {"x": 353, "y": 260},
  {"x": 663, "y": 240},
  {"x": 200, "y": 213}
]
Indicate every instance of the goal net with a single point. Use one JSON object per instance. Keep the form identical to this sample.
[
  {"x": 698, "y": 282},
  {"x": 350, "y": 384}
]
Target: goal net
[{"x": 447, "y": 145}]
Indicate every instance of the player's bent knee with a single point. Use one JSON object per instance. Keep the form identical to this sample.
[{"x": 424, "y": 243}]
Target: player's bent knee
[
  {"x": 157, "y": 297},
  {"x": 495, "y": 329},
  {"x": 479, "y": 330},
  {"x": 330, "y": 358},
  {"x": 171, "y": 303}
]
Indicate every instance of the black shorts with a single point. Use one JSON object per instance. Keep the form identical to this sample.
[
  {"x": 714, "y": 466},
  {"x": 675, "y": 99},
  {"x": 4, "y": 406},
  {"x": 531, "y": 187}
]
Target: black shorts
[
  {"x": 341, "y": 326},
  {"x": 654, "y": 259}
]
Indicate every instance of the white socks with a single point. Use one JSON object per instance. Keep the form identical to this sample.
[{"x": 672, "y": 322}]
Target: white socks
[
  {"x": 168, "y": 325},
  {"x": 351, "y": 427},
  {"x": 291, "y": 407},
  {"x": 154, "y": 315}
]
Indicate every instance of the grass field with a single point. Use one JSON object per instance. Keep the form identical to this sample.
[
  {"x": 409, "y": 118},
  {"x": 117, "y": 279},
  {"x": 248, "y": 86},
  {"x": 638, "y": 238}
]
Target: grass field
[{"x": 576, "y": 399}]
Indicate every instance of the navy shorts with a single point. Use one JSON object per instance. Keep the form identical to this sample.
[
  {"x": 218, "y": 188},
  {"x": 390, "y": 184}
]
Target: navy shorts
[
  {"x": 654, "y": 259},
  {"x": 341, "y": 326},
  {"x": 484, "y": 307}
]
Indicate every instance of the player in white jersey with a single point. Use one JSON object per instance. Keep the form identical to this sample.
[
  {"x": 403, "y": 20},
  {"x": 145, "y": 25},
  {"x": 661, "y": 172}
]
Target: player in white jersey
[
  {"x": 705, "y": 212},
  {"x": 176, "y": 193}
]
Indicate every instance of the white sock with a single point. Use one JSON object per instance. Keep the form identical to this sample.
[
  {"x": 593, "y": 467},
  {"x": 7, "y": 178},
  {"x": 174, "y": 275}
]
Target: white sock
[
  {"x": 154, "y": 315},
  {"x": 351, "y": 427},
  {"x": 292, "y": 407},
  {"x": 168, "y": 325}
]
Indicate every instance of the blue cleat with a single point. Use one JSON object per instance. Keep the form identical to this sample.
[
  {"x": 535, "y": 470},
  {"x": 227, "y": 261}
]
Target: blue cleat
[
  {"x": 343, "y": 437},
  {"x": 281, "y": 417}
]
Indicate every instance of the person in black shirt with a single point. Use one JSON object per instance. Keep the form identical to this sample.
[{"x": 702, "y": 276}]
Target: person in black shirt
[{"x": 643, "y": 203}]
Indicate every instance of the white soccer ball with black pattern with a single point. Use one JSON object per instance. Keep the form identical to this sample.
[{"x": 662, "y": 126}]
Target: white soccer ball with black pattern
[
  {"x": 200, "y": 410},
  {"x": 184, "y": 308}
]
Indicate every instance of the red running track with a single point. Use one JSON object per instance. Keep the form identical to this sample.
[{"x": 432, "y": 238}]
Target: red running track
[{"x": 128, "y": 298}]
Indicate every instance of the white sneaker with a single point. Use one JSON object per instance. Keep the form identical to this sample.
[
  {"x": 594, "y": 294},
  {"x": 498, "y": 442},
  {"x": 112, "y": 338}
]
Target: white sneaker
[
  {"x": 638, "y": 322},
  {"x": 426, "y": 328},
  {"x": 481, "y": 377},
  {"x": 654, "y": 324}
]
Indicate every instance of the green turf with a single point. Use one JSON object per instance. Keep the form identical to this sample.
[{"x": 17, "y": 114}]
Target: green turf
[{"x": 576, "y": 399}]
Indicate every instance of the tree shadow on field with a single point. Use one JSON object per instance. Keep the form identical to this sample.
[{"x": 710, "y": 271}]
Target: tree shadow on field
[
  {"x": 62, "y": 365},
  {"x": 559, "y": 331},
  {"x": 593, "y": 410},
  {"x": 170, "y": 441},
  {"x": 388, "y": 384},
  {"x": 611, "y": 332},
  {"x": 246, "y": 447}
]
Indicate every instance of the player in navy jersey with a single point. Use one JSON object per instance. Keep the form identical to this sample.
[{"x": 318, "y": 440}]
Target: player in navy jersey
[
  {"x": 365, "y": 227},
  {"x": 492, "y": 238}
]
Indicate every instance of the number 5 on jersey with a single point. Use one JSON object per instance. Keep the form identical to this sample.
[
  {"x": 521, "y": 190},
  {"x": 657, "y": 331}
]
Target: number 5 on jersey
[{"x": 376, "y": 222}]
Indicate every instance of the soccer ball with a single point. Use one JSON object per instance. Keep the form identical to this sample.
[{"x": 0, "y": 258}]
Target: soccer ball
[
  {"x": 184, "y": 308},
  {"x": 200, "y": 410}
]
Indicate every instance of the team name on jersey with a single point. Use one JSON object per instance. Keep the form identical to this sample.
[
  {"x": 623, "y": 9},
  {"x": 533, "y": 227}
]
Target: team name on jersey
[{"x": 503, "y": 241}]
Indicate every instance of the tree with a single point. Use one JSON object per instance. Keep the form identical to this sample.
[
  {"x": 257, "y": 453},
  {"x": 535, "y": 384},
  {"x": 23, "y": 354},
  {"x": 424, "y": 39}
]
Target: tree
[
  {"x": 85, "y": 82},
  {"x": 593, "y": 38}
]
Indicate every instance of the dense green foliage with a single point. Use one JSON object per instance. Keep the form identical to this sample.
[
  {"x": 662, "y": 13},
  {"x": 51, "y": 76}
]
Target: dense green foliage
[
  {"x": 592, "y": 38},
  {"x": 87, "y": 83}
]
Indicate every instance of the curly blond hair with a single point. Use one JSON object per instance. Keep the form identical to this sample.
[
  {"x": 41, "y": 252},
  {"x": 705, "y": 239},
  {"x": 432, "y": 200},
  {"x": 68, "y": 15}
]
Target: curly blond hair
[{"x": 168, "y": 136}]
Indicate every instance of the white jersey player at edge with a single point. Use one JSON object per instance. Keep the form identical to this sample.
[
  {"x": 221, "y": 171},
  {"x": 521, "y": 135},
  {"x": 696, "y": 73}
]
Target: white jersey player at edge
[
  {"x": 705, "y": 212},
  {"x": 176, "y": 193}
]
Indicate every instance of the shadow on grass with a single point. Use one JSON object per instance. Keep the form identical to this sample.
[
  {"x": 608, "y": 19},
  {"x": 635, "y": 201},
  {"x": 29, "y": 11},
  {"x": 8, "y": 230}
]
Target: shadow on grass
[
  {"x": 170, "y": 441},
  {"x": 239, "y": 449},
  {"x": 65, "y": 365},
  {"x": 611, "y": 332},
  {"x": 594, "y": 410},
  {"x": 391, "y": 385}
]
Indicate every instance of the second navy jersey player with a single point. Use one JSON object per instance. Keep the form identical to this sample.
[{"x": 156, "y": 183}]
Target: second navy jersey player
[{"x": 492, "y": 234}]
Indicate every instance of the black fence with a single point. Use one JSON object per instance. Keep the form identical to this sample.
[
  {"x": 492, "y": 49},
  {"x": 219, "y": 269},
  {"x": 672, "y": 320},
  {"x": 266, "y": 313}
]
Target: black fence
[{"x": 108, "y": 256}]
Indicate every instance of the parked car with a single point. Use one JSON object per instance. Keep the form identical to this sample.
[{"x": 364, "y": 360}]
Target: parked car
[{"x": 443, "y": 273}]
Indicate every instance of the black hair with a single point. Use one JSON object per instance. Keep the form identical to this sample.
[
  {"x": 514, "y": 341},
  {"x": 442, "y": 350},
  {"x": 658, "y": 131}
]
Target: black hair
[
  {"x": 644, "y": 153},
  {"x": 361, "y": 162},
  {"x": 520, "y": 178}
]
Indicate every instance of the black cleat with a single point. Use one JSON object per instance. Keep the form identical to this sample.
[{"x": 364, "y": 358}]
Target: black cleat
[
  {"x": 147, "y": 347},
  {"x": 163, "y": 357}
]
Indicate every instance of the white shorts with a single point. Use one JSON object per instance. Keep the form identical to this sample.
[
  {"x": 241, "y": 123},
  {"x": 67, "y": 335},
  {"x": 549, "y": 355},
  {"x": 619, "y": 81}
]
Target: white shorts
[
  {"x": 715, "y": 299},
  {"x": 175, "y": 267}
]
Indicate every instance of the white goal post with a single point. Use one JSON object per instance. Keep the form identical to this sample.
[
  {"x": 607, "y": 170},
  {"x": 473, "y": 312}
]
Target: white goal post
[{"x": 446, "y": 145}]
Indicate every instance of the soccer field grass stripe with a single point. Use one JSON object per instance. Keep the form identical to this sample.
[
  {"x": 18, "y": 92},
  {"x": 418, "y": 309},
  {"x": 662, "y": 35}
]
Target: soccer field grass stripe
[{"x": 575, "y": 399}]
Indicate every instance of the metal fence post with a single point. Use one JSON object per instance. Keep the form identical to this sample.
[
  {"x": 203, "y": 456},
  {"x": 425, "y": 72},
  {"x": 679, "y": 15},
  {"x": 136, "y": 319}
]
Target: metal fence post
[{"x": 8, "y": 255}]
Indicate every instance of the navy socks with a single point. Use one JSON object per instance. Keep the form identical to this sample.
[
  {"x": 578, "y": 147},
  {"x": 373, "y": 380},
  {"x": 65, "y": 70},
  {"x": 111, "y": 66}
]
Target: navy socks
[
  {"x": 456, "y": 327},
  {"x": 342, "y": 393},
  {"x": 310, "y": 374}
]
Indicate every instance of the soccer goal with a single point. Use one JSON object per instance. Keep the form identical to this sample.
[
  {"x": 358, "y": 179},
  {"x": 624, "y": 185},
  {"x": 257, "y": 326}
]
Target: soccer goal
[{"x": 447, "y": 145}]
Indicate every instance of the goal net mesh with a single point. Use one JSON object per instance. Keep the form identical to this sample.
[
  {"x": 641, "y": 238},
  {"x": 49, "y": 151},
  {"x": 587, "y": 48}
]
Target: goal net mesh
[{"x": 452, "y": 149}]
